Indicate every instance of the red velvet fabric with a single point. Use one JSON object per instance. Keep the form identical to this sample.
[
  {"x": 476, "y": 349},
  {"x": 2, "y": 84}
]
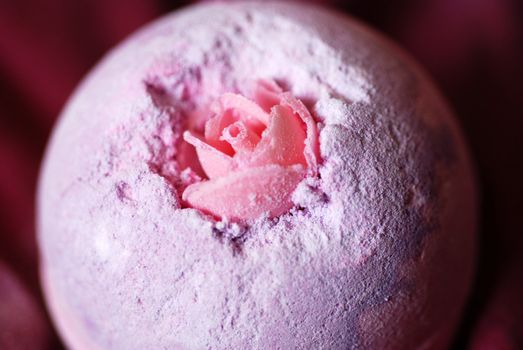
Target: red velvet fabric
[{"x": 473, "y": 48}]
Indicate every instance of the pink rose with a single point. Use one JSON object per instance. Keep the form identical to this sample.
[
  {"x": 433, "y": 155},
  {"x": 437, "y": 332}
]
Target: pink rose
[{"x": 254, "y": 153}]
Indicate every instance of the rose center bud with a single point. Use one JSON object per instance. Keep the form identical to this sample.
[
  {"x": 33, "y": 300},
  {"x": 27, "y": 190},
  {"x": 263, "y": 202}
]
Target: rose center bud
[
  {"x": 240, "y": 137},
  {"x": 254, "y": 154}
]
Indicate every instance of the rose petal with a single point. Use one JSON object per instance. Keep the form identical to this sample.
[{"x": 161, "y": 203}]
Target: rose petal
[
  {"x": 248, "y": 193},
  {"x": 311, "y": 150},
  {"x": 267, "y": 94},
  {"x": 213, "y": 162},
  {"x": 248, "y": 111},
  {"x": 187, "y": 158},
  {"x": 213, "y": 132},
  {"x": 282, "y": 143}
]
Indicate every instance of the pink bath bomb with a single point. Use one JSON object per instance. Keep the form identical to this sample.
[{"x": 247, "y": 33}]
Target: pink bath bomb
[
  {"x": 22, "y": 324},
  {"x": 376, "y": 250}
]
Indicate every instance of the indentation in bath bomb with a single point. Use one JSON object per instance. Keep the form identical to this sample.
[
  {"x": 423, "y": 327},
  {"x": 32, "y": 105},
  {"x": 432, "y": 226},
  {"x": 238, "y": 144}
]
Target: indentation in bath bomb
[{"x": 254, "y": 153}]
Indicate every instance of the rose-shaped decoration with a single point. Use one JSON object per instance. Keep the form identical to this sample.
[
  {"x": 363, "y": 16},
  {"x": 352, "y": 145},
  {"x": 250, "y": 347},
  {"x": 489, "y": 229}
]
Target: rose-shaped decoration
[{"x": 254, "y": 153}]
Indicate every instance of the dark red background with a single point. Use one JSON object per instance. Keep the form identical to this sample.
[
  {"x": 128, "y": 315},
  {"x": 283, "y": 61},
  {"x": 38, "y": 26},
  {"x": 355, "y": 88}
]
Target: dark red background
[{"x": 473, "y": 48}]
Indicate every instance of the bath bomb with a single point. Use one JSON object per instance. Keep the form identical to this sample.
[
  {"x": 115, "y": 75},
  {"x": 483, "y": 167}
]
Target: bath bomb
[
  {"x": 256, "y": 175},
  {"x": 22, "y": 324}
]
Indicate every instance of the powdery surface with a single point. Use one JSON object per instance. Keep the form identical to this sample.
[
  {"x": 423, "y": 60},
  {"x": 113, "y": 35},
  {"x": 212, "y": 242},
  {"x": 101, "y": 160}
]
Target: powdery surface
[
  {"x": 22, "y": 325},
  {"x": 377, "y": 253}
]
